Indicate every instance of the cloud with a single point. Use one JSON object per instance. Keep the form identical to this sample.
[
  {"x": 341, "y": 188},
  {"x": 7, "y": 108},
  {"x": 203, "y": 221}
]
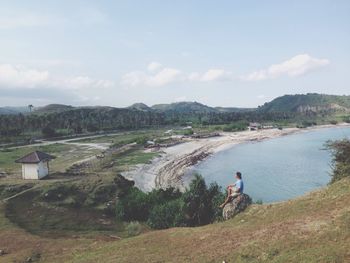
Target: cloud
[
  {"x": 24, "y": 20},
  {"x": 163, "y": 77},
  {"x": 211, "y": 75},
  {"x": 296, "y": 66},
  {"x": 153, "y": 66},
  {"x": 20, "y": 77},
  {"x": 157, "y": 75}
]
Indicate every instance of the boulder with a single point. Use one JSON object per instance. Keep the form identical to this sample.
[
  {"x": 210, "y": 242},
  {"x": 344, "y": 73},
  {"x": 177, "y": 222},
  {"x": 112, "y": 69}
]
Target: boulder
[{"x": 236, "y": 206}]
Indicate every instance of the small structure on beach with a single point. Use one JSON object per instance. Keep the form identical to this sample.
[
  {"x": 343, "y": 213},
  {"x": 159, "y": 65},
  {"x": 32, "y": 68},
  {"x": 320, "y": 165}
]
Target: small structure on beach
[
  {"x": 253, "y": 126},
  {"x": 35, "y": 165}
]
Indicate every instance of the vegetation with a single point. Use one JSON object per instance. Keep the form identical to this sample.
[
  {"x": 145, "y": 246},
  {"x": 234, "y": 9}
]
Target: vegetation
[
  {"x": 341, "y": 159},
  {"x": 54, "y": 120},
  {"x": 198, "y": 205}
]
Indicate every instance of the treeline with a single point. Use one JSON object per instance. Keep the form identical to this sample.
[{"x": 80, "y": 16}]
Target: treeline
[
  {"x": 83, "y": 120},
  {"x": 198, "y": 205},
  {"x": 80, "y": 120}
]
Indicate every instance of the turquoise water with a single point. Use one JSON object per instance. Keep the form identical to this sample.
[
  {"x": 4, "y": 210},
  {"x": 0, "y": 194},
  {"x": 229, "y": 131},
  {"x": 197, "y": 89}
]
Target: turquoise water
[{"x": 276, "y": 169}]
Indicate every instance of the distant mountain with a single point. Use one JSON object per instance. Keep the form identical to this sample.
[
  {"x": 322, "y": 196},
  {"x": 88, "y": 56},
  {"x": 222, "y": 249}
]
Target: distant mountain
[
  {"x": 140, "y": 106},
  {"x": 53, "y": 108},
  {"x": 13, "y": 110},
  {"x": 305, "y": 103},
  {"x": 184, "y": 107},
  {"x": 234, "y": 109}
]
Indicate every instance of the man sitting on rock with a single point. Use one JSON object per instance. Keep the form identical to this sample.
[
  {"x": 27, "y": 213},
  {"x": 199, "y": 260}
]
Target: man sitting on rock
[{"x": 234, "y": 190}]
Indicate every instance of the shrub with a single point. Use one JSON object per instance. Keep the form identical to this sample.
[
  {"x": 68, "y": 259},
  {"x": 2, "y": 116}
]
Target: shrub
[
  {"x": 133, "y": 229},
  {"x": 167, "y": 215},
  {"x": 48, "y": 132},
  {"x": 237, "y": 126},
  {"x": 133, "y": 206},
  {"x": 201, "y": 203},
  {"x": 341, "y": 158},
  {"x": 169, "y": 208}
]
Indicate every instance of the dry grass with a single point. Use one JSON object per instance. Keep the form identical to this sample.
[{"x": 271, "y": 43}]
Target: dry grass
[{"x": 314, "y": 228}]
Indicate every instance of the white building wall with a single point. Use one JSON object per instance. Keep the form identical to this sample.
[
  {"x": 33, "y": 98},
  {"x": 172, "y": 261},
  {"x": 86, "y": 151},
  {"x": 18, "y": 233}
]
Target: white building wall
[
  {"x": 30, "y": 171},
  {"x": 43, "y": 169},
  {"x": 34, "y": 171}
]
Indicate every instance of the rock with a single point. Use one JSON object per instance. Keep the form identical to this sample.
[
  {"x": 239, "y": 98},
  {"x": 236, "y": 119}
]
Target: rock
[
  {"x": 236, "y": 206},
  {"x": 2, "y": 252}
]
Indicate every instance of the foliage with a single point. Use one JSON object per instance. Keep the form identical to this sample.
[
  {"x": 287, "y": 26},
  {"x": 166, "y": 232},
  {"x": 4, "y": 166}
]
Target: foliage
[
  {"x": 237, "y": 126},
  {"x": 133, "y": 206},
  {"x": 341, "y": 158},
  {"x": 198, "y": 205},
  {"x": 167, "y": 215},
  {"x": 133, "y": 228},
  {"x": 48, "y": 132}
]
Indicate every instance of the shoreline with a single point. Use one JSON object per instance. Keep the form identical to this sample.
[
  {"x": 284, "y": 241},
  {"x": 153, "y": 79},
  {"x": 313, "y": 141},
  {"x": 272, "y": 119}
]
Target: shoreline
[{"x": 169, "y": 168}]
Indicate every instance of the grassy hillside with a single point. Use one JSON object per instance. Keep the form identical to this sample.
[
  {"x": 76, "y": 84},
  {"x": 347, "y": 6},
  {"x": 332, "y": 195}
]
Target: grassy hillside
[
  {"x": 308, "y": 102},
  {"x": 313, "y": 228}
]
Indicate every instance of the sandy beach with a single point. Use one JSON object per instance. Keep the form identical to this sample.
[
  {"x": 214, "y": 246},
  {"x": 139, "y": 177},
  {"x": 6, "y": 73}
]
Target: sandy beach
[{"x": 168, "y": 169}]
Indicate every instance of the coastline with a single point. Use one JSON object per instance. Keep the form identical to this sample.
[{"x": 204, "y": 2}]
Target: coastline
[{"x": 168, "y": 169}]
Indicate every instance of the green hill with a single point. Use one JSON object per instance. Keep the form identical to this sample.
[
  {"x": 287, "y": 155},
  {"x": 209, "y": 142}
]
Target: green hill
[
  {"x": 310, "y": 102},
  {"x": 53, "y": 108},
  {"x": 140, "y": 106},
  {"x": 184, "y": 107}
]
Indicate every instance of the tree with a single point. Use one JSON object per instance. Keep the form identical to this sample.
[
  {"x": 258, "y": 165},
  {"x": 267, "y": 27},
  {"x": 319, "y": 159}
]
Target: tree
[
  {"x": 30, "y": 106},
  {"x": 341, "y": 158},
  {"x": 48, "y": 132}
]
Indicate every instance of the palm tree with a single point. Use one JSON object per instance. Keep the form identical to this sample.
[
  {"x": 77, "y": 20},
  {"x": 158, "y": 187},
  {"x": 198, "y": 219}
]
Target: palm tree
[{"x": 30, "y": 106}]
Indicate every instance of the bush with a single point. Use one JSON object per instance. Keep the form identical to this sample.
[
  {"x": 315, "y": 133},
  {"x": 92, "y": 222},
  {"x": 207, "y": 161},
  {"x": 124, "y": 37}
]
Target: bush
[
  {"x": 133, "y": 206},
  {"x": 48, "y": 132},
  {"x": 237, "y": 126},
  {"x": 201, "y": 203},
  {"x": 341, "y": 158},
  {"x": 133, "y": 229},
  {"x": 167, "y": 215},
  {"x": 169, "y": 208}
]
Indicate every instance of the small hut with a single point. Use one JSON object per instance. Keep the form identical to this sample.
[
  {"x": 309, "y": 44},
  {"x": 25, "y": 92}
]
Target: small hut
[
  {"x": 35, "y": 165},
  {"x": 254, "y": 126}
]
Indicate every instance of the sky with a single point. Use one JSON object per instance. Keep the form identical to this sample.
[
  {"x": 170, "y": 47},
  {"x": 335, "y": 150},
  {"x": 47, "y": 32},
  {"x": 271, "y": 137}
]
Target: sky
[{"x": 220, "y": 53}]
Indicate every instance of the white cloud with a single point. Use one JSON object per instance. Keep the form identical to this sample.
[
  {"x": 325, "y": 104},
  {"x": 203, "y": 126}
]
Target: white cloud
[
  {"x": 158, "y": 75},
  {"x": 153, "y": 66},
  {"x": 12, "y": 76},
  {"x": 19, "y": 76},
  {"x": 163, "y": 77},
  {"x": 296, "y": 66},
  {"x": 210, "y": 75},
  {"x": 24, "y": 20}
]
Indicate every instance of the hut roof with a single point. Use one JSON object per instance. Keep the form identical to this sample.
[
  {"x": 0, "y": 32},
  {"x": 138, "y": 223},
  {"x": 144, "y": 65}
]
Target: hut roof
[{"x": 35, "y": 157}]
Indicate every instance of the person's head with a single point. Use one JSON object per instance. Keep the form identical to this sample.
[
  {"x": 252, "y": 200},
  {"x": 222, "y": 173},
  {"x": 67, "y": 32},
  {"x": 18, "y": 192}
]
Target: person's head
[{"x": 238, "y": 175}]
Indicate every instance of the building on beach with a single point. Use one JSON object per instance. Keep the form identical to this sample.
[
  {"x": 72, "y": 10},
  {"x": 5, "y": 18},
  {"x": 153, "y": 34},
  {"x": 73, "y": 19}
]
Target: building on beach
[
  {"x": 253, "y": 126},
  {"x": 35, "y": 165}
]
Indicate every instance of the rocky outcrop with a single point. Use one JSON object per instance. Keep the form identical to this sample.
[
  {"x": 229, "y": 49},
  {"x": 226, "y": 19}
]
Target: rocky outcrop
[{"x": 236, "y": 206}]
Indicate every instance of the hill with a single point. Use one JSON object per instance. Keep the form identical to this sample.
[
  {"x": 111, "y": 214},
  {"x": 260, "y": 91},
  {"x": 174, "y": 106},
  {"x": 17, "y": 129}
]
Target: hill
[
  {"x": 53, "y": 108},
  {"x": 140, "y": 106},
  {"x": 184, "y": 107},
  {"x": 311, "y": 102},
  {"x": 313, "y": 228},
  {"x": 13, "y": 110}
]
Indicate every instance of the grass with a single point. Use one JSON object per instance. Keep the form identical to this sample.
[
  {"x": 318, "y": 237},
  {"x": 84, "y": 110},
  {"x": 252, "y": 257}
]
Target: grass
[
  {"x": 312, "y": 228},
  {"x": 122, "y": 138},
  {"x": 65, "y": 155}
]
